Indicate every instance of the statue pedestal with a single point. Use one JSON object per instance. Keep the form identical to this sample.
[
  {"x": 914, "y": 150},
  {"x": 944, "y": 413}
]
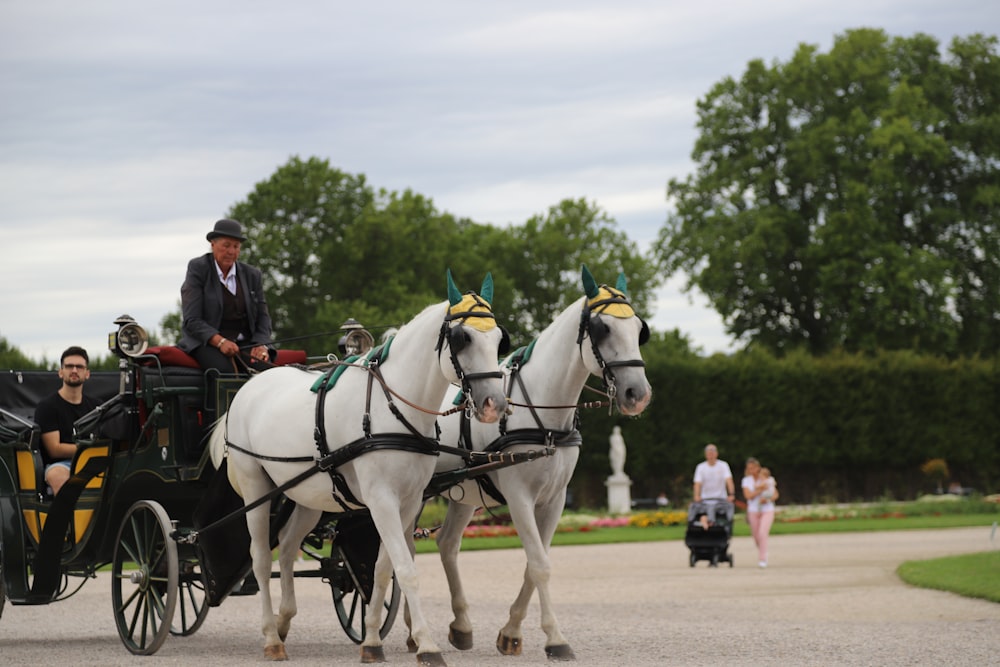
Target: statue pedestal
[{"x": 619, "y": 494}]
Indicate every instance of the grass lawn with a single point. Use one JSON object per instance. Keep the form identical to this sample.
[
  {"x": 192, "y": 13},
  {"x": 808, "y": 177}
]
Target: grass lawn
[{"x": 973, "y": 575}]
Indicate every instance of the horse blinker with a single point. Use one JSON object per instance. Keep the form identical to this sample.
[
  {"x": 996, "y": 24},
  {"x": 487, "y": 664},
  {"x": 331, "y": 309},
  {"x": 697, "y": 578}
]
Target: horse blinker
[
  {"x": 504, "y": 341},
  {"x": 458, "y": 338}
]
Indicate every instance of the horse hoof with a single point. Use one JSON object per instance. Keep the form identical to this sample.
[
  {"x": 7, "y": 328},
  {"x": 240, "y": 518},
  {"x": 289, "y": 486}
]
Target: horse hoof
[
  {"x": 276, "y": 653},
  {"x": 508, "y": 645},
  {"x": 431, "y": 660},
  {"x": 372, "y": 654},
  {"x": 561, "y": 652},
  {"x": 411, "y": 646},
  {"x": 460, "y": 639}
]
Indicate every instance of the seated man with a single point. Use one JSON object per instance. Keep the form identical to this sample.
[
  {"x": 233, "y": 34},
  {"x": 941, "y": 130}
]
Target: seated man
[
  {"x": 713, "y": 488},
  {"x": 226, "y": 324},
  {"x": 56, "y": 414}
]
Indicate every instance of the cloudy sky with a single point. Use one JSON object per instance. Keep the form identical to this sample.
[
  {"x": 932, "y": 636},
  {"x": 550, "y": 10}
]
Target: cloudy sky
[{"x": 127, "y": 128}]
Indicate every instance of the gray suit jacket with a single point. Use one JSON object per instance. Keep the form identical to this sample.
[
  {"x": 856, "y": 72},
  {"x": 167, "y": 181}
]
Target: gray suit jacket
[{"x": 201, "y": 303}]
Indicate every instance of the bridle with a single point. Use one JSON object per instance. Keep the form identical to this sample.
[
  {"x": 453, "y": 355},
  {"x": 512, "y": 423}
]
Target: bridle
[
  {"x": 596, "y": 330},
  {"x": 457, "y": 339}
]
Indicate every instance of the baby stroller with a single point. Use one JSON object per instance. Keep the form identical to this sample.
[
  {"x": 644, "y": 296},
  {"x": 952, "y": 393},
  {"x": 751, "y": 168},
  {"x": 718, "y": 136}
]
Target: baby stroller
[{"x": 711, "y": 544}]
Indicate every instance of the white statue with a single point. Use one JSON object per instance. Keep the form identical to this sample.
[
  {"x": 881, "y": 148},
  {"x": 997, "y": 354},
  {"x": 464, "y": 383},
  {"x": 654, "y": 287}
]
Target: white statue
[{"x": 617, "y": 452}]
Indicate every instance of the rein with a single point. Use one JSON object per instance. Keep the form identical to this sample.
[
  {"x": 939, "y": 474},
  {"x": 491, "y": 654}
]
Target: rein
[
  {"x": 392, "y": 392},
  {"x": 373, "y": 372}
]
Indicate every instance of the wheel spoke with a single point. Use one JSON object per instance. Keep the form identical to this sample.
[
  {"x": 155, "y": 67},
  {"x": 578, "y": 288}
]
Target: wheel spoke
[
  {"x": 144, "y": 600},
  {"x": 129, "y": 549},
  {"x": 136, "y": 614},
  {"x": 132, "y": 596},
  {"x": 145, "y": 621}
]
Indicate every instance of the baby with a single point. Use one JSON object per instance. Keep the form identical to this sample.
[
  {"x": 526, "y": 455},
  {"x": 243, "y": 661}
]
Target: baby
[{"x": 767, "y": 483}]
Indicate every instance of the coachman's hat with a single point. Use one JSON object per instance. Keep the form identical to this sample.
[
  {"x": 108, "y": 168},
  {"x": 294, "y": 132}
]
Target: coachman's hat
[{"x": 229, "y": 228}]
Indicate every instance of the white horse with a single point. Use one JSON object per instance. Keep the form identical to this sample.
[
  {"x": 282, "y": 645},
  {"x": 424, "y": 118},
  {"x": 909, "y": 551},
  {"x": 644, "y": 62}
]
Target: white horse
[
  {"x": 272, "y": 434},
  {"x": 598, "y": 335}
]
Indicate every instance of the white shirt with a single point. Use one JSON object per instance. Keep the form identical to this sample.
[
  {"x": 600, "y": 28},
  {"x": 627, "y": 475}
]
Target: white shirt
[
  {"x": 749, "y": 483},
  {"x": 230, "y": 280},
  {"x": 755, "y": 504},
  {"x": 713, "y": 479}
]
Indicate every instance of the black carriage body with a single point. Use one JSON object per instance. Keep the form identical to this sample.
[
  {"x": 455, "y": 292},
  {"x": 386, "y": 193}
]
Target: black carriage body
[
  {"x": 146, "y": 441},
  {"x": 142, "y": 455}
]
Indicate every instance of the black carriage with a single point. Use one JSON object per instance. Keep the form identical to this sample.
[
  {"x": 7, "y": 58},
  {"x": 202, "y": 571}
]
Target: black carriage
[{"x": 142, "y": 493}]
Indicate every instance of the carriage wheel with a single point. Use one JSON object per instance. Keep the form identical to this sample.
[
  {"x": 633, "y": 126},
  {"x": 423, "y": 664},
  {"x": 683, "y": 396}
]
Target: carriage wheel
[
  {"x": 730, "y": 560},
  {"x": 144, "y": 578},
  {"x": 349, "y": 602},
  {"x": 693, "y": 559},
  {"x": 191, "y": 603}
]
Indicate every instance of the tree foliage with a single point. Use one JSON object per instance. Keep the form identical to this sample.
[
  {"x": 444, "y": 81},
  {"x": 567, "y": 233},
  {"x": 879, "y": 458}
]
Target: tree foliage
[
  {"x": 833, "y": 428},
  {"x": 331, "y": 247},
  {"x": 297, "y": 222},
  {"x": 849, "y": 199},
  {"x": 547, "y": 252},
  {"x": 12, "y": 357}
]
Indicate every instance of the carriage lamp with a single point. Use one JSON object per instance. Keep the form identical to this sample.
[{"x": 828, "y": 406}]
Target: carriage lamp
[
  {"x": 356, "y": 339},
  {"x": 130, "y": 340}
]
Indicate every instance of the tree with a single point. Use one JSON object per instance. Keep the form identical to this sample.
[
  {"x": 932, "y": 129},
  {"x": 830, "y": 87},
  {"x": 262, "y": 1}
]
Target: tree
[
  {"x": 849, "y": 199},
  {"x": 544, "y": 262},
  {"x": 170, "y": 325},
  {"x": 12, "y": 357},
  {"x": 331, "y": 248},
  {"x": 296, "y": 223}
]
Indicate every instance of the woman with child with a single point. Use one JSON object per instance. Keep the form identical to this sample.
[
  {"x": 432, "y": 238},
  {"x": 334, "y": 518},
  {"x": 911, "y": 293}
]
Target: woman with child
[{"x": 761, "y": 491}]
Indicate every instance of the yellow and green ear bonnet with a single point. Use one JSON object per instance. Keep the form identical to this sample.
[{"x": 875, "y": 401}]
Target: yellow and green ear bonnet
[
  {"x": 606, "y": 300},
  {"x": 474, "y": 310}
]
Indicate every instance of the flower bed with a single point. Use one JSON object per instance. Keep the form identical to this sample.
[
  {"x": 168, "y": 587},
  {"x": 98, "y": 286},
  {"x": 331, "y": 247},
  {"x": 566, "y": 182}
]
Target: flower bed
[
  {"x": 658, "y": 518},
  {"x": 499, "y": 525},
  {"x": 482, "y": 530}
]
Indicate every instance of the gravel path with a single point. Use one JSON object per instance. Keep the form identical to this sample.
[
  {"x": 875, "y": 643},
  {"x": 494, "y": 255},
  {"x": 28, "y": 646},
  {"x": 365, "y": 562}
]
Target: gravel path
[{"x": 830, "y": 599}]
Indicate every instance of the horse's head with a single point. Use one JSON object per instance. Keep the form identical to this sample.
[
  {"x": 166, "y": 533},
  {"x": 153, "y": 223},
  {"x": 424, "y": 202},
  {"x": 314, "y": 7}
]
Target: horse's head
[
  {"x": 474, "y": 342},
  {"x": 615, "y": 333}
]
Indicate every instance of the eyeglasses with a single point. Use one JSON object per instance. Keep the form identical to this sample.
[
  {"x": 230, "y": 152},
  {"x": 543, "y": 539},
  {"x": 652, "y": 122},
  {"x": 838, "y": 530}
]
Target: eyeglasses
[{"x": 75, "y": 367}]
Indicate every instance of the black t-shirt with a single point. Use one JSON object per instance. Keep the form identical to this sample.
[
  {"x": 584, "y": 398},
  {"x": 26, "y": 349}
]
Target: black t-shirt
[{"x": 56, "y": 414}]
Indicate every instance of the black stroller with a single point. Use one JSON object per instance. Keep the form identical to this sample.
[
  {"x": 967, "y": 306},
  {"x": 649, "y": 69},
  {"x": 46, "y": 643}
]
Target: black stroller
[{"x": 711, "y": 544}]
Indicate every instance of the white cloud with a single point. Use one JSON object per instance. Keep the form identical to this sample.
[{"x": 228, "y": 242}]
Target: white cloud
[{"x": 127, "y": 128}]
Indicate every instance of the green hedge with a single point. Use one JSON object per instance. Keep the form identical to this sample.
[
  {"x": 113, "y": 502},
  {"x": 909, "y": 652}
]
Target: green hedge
[{"x": 837, "y": 428}]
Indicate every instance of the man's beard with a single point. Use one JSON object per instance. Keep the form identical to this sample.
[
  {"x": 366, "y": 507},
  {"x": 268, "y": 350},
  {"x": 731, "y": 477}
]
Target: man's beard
[{"x": 70, "y": 382}]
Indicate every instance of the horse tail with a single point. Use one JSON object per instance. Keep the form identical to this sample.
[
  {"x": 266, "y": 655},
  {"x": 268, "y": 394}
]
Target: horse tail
[
  {"x": 217, "y": 442},
  {"x": 217, "y": 451}
]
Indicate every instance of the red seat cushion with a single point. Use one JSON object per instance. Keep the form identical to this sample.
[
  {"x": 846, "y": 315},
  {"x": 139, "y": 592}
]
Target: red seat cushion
[
  {"x": 171, "y": 355},
  {"x": 286, "y": 357}
]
